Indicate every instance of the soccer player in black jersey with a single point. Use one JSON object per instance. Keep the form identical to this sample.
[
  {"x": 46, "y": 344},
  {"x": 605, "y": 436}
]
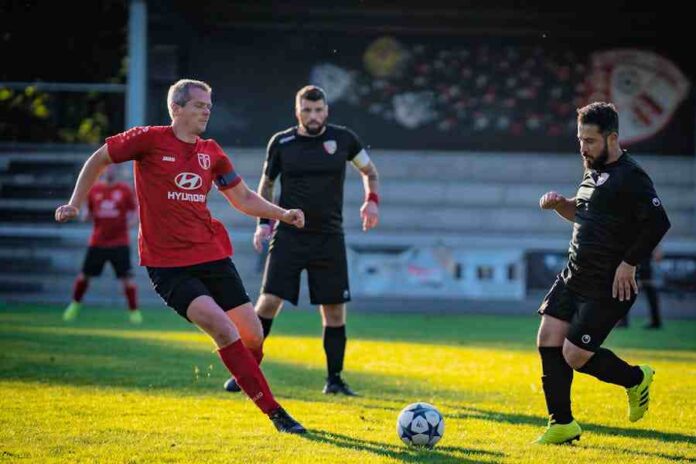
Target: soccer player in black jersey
[
  {"x": 618, "y": 219},
  {"x": 310, "y": 159}
]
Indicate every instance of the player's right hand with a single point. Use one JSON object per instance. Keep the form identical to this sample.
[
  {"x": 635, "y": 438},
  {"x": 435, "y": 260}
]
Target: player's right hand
[
  {"x": 65, "y": 213},
  {"x": 262, "y": 234},
  {"x": 294, "y": 217},
  {"x": 551, "y": 200}
]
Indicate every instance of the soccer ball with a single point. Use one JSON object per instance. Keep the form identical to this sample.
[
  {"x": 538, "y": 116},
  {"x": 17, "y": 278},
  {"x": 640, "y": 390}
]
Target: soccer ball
[{"x": 420, "y": 424}]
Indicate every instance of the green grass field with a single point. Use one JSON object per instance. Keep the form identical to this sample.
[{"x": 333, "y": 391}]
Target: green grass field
[{"x": 100, "y": 390}]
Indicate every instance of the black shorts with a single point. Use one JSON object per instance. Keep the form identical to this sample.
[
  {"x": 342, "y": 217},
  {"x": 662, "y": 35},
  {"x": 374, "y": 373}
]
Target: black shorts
[
  {"x": 119, "y": 257},
  {"x": 324, "y": 257},
  {"x": 179, "y": 286},
  {"x": 591, "y": 319}
]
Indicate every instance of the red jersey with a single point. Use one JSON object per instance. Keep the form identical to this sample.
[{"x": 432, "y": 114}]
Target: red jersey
[
  {"x": 172, "y": 181},
  {"x": 109, "y": 206}
]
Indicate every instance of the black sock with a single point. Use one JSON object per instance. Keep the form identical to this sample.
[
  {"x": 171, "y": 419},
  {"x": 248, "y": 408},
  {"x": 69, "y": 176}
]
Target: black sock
[
  {"x": 608, "y": 367},
  {"x": 556, "y": 379},
  {"x": 266, "y": 324},
  {"x": 335, "y": 349}
]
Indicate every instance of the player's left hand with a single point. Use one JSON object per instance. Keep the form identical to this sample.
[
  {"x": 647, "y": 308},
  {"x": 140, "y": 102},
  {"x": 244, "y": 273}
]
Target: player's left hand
[
  {"x": 624, "y": 282},
  {"x": 294, "y": 217},
  {"x": 369, "y": 213}
]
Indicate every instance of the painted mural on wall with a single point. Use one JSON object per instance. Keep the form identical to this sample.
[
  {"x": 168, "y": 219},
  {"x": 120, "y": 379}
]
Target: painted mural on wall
[
  {"x": 507, "y": 90},
  {"x": 443, "y": 93}
]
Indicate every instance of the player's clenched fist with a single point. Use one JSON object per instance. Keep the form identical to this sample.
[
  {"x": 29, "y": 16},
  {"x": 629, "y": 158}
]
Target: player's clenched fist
[
  {"x": 294, "y": 217},
  {"x": 65, "y": 213},
  {"x": 369, "y": 214},
  {"x": 551, "y": 200}
]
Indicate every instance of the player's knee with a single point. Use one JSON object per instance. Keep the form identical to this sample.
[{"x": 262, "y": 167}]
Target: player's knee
[
  {"x": 334, "y": 320},
  {"x": 574, "y": 357},
  {"x": 214, "y": 322},
  {"x": 268, "y": 305},
  {"x": 224, "y": 334},
  {"x": 549, "y": 338},
  {"x": 254, "y": 341},
  {"x": 334, "y": 315}
]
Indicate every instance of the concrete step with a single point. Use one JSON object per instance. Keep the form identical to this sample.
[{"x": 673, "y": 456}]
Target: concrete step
[{"x": 412, "y": 165}]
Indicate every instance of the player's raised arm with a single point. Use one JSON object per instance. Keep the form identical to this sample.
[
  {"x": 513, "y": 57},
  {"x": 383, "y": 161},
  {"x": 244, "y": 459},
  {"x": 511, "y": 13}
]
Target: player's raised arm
[{"x": 89, "y": 174}]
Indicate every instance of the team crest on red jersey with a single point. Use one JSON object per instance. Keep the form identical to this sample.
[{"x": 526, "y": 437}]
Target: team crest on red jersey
[
  {"x": 204, "y": 160},
  {"x": 330, "y": 146}
]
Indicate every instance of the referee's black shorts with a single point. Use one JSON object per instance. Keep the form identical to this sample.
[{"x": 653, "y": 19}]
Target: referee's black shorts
[
  {"x": 322, "y": 255},
  {"x": 179, "y": 286},
  {"x": 118, "y": 256},
  {"x": 591, "y": 319}
]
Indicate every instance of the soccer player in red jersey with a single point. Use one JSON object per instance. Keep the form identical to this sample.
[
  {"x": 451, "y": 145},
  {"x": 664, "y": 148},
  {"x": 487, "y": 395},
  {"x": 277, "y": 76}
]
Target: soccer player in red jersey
[
  {"x": 185, "y": 250},
  {"x": 111, "y": 206}
]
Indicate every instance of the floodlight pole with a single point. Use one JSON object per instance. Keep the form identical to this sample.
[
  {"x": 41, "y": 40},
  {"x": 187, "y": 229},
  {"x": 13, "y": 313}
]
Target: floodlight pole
[{"x": 136, "y": 91}]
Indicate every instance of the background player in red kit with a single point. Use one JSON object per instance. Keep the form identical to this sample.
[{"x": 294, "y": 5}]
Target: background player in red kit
[
  {"x": 111, "y": 207},
  {"x": 186, "y": 251}
]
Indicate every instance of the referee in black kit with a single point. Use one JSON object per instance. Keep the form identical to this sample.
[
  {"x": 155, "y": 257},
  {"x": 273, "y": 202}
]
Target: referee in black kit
[
  {"x": 310, "y": 159},
  {"x": 618, "y": 220}
]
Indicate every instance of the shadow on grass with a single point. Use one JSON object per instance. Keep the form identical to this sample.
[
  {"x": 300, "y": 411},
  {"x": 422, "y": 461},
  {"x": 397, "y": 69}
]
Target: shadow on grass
[
  {"x": 671, "y": 457},
  {"x": 444, "y": 454},
  {"x": 524, "y": 419},
  {"x": 76, "y": 357},
  {"x": 509, "y": 332}
]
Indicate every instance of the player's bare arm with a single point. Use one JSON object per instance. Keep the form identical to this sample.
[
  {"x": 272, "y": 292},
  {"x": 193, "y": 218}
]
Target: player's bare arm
[
  {"x": 369, "y": 211},
  {"x": 251, "y": 203},
  {"x": 565, "y": 207},
  {"x": 265, "y": 190},
  {"x": 89, "y": 174},
  {"x": 263, "y": 230}
]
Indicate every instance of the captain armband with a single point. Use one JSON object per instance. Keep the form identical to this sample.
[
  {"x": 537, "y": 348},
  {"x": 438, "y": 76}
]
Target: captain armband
[{"x": 361, "y": 160}]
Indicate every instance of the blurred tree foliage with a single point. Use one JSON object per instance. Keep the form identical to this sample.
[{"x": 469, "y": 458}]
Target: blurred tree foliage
[{"x": 54, "y": 43}]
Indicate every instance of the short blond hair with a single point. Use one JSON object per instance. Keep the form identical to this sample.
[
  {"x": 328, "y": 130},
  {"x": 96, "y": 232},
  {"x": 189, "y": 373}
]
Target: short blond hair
[{"x": 179, "y": 92}]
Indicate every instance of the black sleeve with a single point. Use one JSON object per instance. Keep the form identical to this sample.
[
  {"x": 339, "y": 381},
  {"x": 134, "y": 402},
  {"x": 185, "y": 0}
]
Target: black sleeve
[
  {"x": 271, "y": 167},
  {"x": 354, "y": 144},
  {"x": 650, "y": 216}
]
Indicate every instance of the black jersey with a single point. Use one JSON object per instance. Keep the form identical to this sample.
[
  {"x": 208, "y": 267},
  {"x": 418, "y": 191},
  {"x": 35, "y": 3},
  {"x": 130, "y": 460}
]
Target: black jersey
[
  {"x": 619, "y": 217},
  {"x": 312, "y": 173}
]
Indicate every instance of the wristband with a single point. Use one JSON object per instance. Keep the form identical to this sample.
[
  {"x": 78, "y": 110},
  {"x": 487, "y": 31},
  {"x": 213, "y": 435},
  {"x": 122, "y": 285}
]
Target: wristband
[{"x": 372, "y": 197}]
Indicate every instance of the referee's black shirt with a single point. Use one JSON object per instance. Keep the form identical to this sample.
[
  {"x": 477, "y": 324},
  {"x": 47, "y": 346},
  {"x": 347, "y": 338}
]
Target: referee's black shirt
[{"x": 312, "y": 173}]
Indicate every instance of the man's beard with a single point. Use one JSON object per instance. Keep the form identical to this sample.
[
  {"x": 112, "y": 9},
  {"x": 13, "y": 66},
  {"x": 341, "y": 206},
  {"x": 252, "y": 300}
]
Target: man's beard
[
  {"x": 314, "y": 130},
  {"x": 599, "y": 162}
]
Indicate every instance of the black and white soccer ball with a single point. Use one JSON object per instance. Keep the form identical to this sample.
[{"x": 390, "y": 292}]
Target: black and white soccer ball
[{"x": 420, "y": 424}]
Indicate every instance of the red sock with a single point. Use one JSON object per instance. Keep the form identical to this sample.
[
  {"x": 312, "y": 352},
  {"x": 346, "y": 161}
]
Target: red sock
[
  {"x": 79, "y": 288},
  {"x": 131, "y": 292},
  {"x": 257, "y": 354},
  {"x": 242, "y": 365}
]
